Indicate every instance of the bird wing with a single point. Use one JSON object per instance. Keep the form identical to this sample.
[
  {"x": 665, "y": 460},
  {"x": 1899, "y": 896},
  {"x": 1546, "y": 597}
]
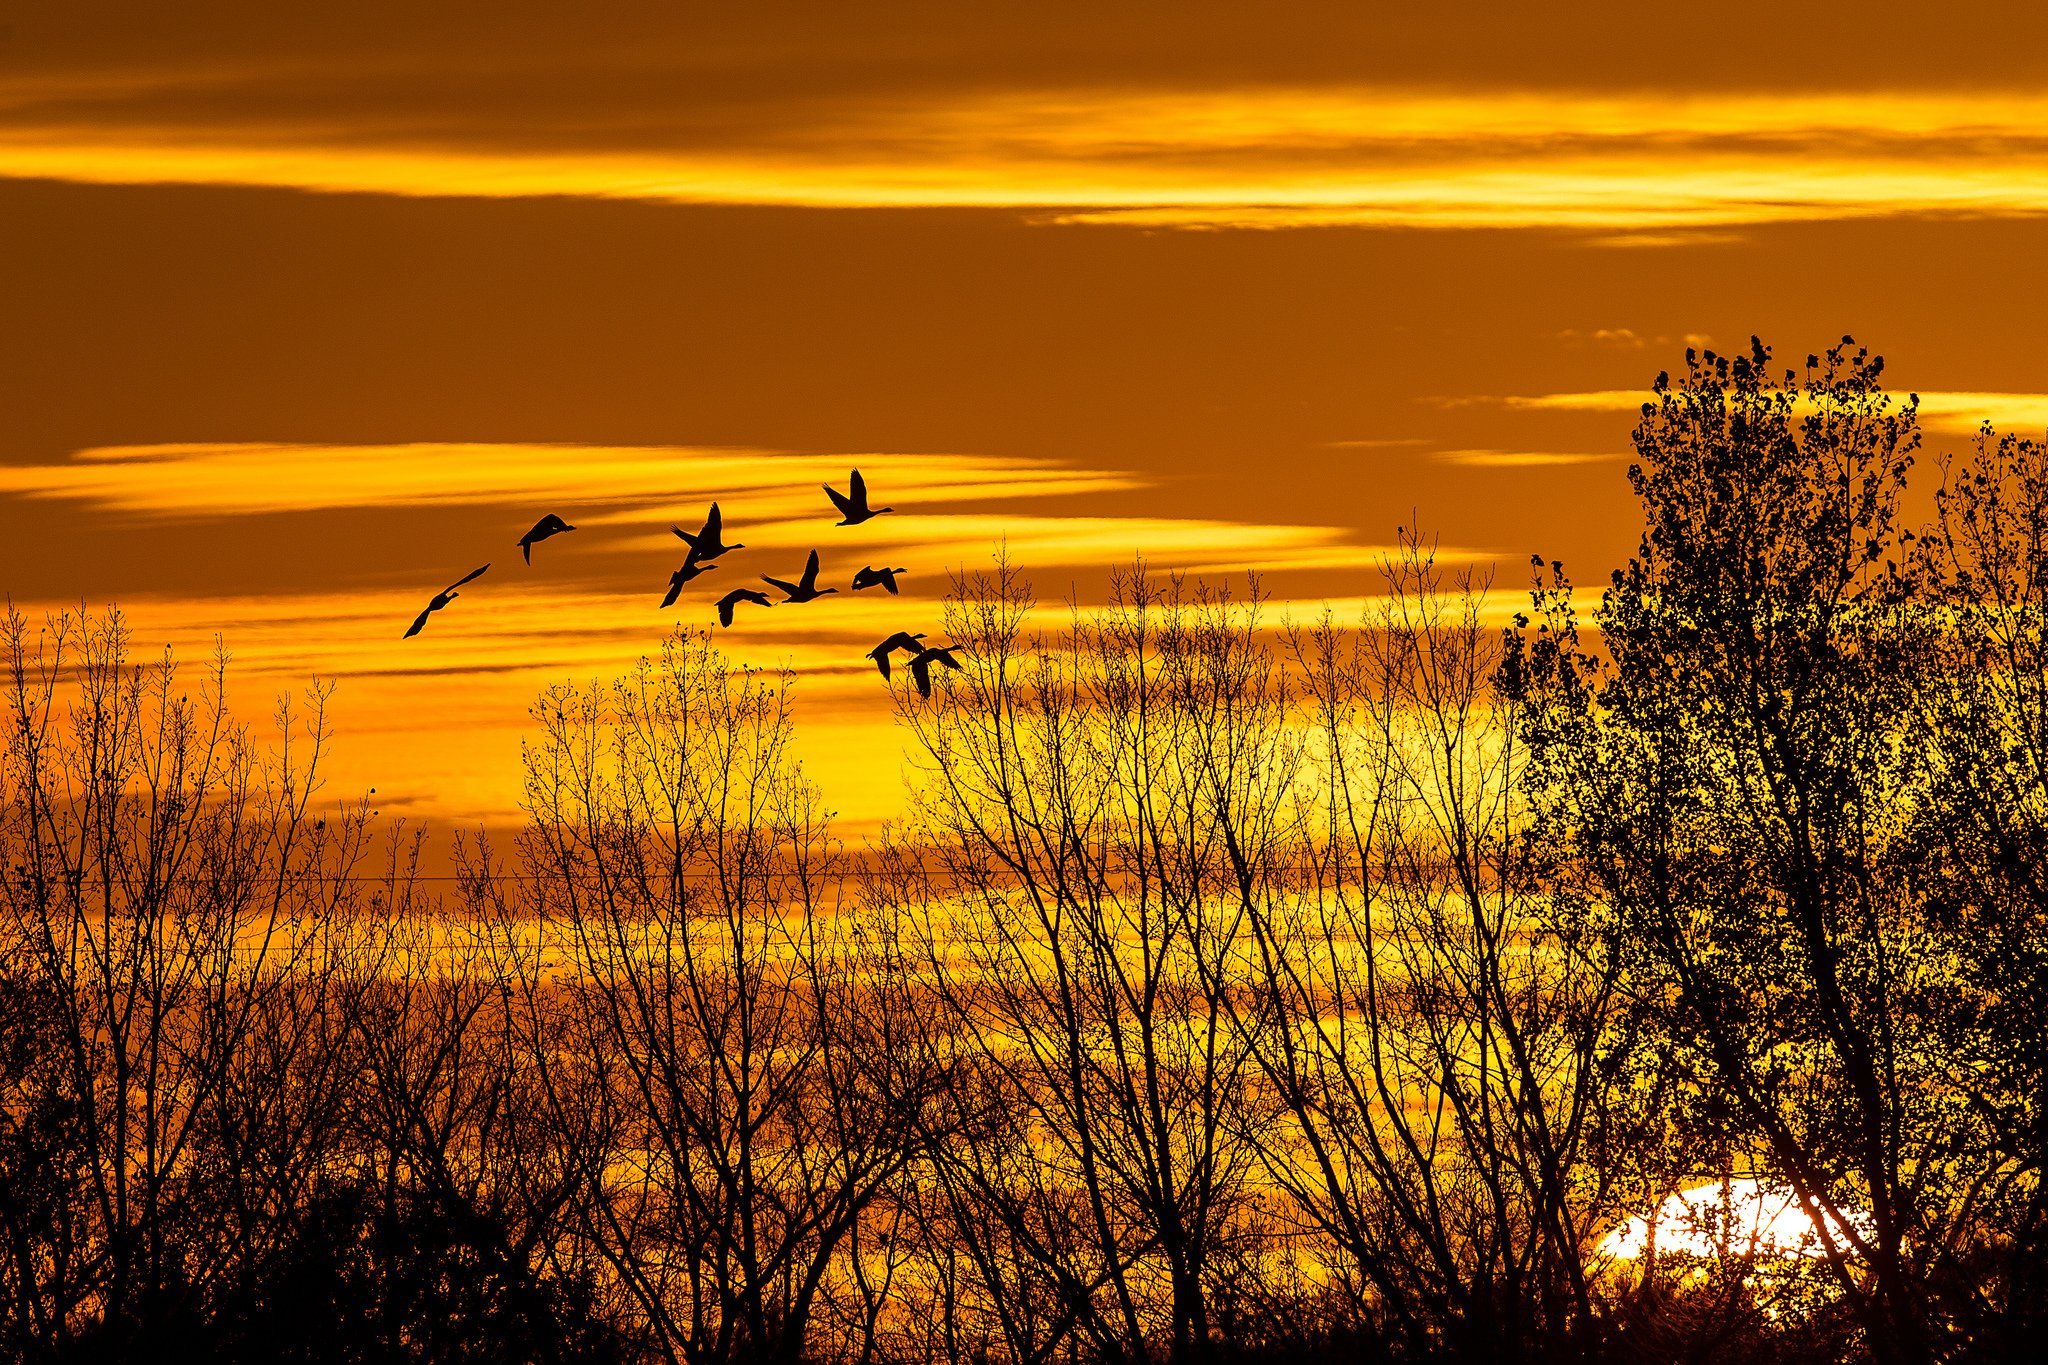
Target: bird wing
[
  {"x": 419, "y": 623},
  {"x": 945, "y": 656},
  {"x": 787, "y": 588},
  {"x": 921, "y": 672},
  {"x": 880, "y": 654},
  {"x": 858, "y": 488},
  {"x": 685, "y": 537},
  {"x": 903, "y": 640},
  {"x": 888, "y": 581},
  {"x": 839, "y": 500},
  {"x": 473, "y": 573},
  {"x": 811, "y": 572},
  {"x": 725, "y": 610},
  {"x": 713, "y": 525},
  {"x": 675, "y": 589}
]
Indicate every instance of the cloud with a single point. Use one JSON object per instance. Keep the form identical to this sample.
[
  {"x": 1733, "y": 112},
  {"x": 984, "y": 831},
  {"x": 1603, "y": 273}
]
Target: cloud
[
  {"x": 1640, "y": 240},
  {"x": 246, "y": 478},
  {"x": 1474, "y": 458},
  {"x": 1631, "y": 168},
  {"x": 774, "y": 496},
  {"x": 1519, "y": 459},
  {"x": 1623, "y": 337},
  {"x": 1955, "y": 411},
  {"x": 1944, "y": 411}
]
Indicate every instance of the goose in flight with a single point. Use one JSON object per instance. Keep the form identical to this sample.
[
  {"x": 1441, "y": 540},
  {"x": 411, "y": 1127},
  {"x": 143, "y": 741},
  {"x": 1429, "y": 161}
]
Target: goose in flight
[
  {"x": 691, "y": 568},
  {"x": 441, "y": 599},
  {"x": 877, "y": 578},
  {"x": 709, "y": 543},
  {"x": 549, "y": 525},
  {"x": 853, "y": 504},
  {"x": 902, "y": 640},
  {"x": 737, "y": 596},
  {"x": 804, "y": 589},
  {"x": 921, "y": 666}
]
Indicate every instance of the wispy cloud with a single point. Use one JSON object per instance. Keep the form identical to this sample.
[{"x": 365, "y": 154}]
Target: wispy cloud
[
  {"x": 1518, "y": 459},
  {"x": 1966, "y": 411},
  {"x": 1631, "y": 167},
  {"x": 1472, "y": 457},
  {"x": 244, "y": 478},
  {"x": 1948, "y": 411},
  {"x": 775, "y": 498}
]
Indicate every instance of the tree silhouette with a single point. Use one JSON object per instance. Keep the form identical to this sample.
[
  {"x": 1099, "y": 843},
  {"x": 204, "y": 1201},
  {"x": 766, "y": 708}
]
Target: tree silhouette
[{"x": 1742, "y": 775}]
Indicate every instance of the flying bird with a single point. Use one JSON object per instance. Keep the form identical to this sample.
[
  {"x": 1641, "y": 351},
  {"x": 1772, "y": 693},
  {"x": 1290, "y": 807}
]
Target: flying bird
[
  {"x": 900, "y": 640},
  {"x": 737, "y": 596},
  {"x": 691, "y": 568},
  {"x": 804, "y": 589},
  {"x": 921, "y": 666},
  {"x": 441, "y": 599},
  {"x": 853, "y": 504},
  {"x": 549, "y": 525},
  {"x": 709, "y": 543},
  {"x": 872, "y": 578}
]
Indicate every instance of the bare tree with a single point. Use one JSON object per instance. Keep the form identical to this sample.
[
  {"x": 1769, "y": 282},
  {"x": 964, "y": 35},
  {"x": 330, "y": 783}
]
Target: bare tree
[
  {"x": 1434, "y": 1039},
  {"x": 168, "y": 899},
  {"x": 1094, "y": 812},
  {"x": 753, "y": 1110}
]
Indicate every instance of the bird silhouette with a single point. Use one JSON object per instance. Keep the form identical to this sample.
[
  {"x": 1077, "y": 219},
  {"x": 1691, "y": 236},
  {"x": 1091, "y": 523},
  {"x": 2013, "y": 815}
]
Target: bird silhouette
[
  {"x": 549, "y": 525},
  {"x": 872, "y": 578},
  {"x": 441, "y": 599},
  {"x": 921, "y": 666},
  {"x": 804, "y": 589},
  {"x": 900, "y": 640},
  {"x": 709, "y": 543},
  {"x": 692, "y": 566},
  {"x": 853, "y": 504},
  {"x": 737, "y": 596}
]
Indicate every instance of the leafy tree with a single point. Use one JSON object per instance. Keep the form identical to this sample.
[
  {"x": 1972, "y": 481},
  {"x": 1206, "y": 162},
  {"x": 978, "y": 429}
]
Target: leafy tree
[
  {"x": 1741, "y": 778},
  {"x": 1983, "y": 840}
]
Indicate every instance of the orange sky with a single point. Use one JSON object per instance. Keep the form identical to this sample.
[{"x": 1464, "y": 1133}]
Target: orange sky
[{"x": 306, "y": 316}]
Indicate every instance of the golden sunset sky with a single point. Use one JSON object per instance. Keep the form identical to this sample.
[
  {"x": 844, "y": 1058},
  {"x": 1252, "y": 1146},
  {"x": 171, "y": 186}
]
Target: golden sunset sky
[{"x": 310, "y": 310}]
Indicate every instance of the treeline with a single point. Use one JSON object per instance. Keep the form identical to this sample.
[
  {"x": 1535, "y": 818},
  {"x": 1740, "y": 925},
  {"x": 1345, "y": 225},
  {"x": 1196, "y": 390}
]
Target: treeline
[{"x": 1232, "y": 988}]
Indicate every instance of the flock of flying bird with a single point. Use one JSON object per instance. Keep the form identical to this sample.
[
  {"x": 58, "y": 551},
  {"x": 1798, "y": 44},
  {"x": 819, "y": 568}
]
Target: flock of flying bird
[{"x": 709, "y": 544}]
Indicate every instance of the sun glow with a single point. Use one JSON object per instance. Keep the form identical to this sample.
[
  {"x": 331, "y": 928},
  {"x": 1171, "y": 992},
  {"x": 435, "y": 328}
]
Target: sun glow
[{"x": 1742, "y": 1218}]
